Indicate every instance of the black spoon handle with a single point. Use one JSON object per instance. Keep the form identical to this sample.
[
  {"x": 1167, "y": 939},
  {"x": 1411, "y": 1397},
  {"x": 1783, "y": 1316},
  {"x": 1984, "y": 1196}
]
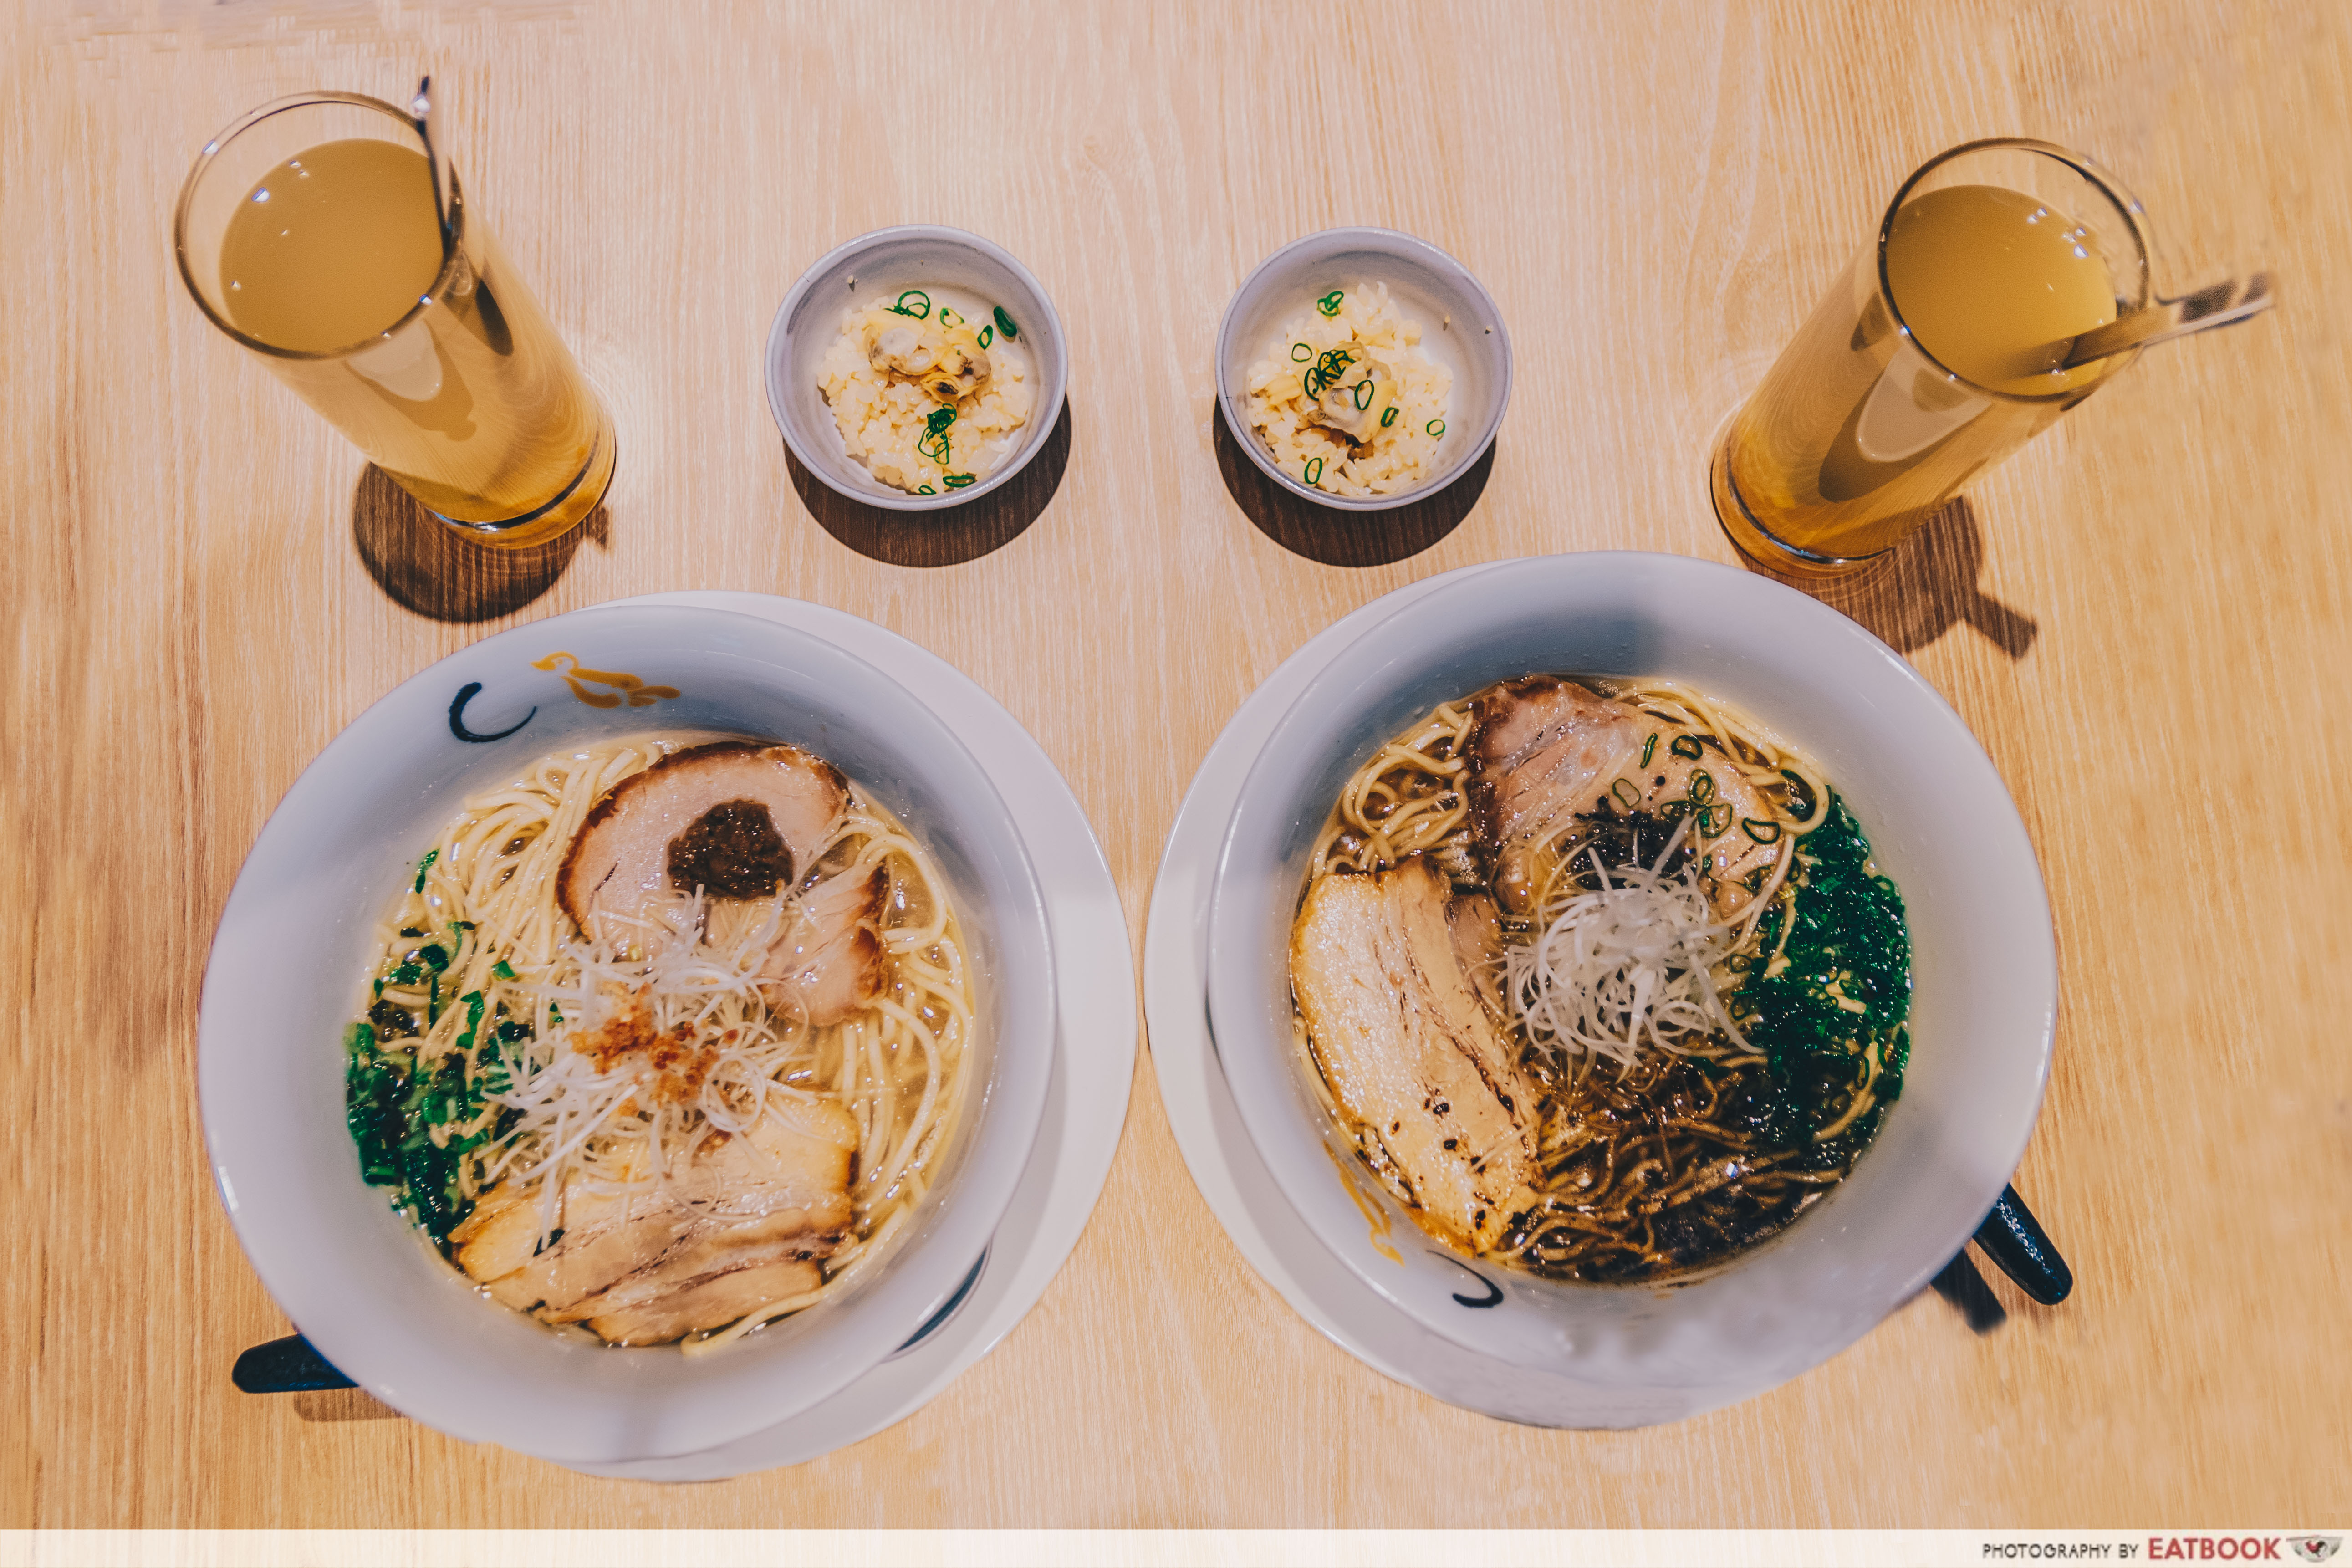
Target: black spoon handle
[
  {"x": 286, "y": 1366},
  {"x": 2013, "y": 1238}
]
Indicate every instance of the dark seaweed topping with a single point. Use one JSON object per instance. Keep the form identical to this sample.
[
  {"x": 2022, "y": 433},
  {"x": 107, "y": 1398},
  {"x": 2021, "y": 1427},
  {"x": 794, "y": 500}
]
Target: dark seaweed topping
[{"x": 1846, "y": 940}]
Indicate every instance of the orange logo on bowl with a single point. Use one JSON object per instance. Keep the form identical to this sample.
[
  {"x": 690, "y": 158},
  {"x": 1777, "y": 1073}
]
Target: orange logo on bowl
[{"x": 624, "y": 685}]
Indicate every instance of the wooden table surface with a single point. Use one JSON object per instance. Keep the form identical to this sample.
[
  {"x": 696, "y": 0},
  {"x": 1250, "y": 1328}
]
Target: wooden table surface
[{"x": 2142, "y": 617}]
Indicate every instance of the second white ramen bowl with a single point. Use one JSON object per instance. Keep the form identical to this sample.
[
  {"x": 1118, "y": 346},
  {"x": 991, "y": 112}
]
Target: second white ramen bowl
[
  {"x": 290, "y": 959},
  {"x": 1942, "y": 826}
]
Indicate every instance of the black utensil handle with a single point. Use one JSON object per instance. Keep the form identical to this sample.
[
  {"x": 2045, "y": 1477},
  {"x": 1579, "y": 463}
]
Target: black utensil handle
[
  {"x": 286, "y": 1366},
  {"x": 2013, "y": 1238}
]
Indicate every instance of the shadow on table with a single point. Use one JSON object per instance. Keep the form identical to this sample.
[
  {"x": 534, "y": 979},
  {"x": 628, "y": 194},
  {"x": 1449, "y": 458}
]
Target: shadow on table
[
  {"x": 945, "y": 538},
  {"x": 328, "y": 1405},
  {"x": 424, "y": 565},
  {"x": 1338, "y": 537},
  {"x": 1965, "y": 1289},
  {"x": 1923, "y": 587}
]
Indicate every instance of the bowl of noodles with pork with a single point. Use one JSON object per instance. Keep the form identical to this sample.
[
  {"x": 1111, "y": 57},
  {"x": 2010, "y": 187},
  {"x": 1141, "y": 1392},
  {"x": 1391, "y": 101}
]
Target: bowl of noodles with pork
[
  {"x": 627, "y": 1033},
  {"x": 1631, "y": 970}
]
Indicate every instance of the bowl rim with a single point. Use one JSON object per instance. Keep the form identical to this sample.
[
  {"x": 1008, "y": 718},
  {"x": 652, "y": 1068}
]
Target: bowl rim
[
  {"x": 1011, "y": 1100},
  {"x": 1268, "y": 1116},
  {"x": 1054, "y": 381},
  {"x": 1390, "y": 241}
]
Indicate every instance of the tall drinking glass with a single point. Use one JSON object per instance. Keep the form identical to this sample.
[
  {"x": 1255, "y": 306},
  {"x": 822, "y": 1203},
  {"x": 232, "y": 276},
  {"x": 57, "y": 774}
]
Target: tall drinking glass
[
  {"x": 308, "y": 231},
  {"x": 1932, "y": 355}
]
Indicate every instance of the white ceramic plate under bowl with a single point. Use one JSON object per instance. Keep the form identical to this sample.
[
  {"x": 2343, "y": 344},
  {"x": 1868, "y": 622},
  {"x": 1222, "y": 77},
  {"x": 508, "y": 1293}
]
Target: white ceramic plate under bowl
[
  {"x": 1461, "y": 330},
  {"x": 963, "y": 269},
  {"x": 289, "y": 957},
  {"x": 1941, "y": 825}
]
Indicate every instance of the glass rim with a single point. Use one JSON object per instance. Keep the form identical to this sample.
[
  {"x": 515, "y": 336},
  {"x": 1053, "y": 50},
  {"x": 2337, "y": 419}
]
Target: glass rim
[
  {"x": 452, "y": 247},
  {"x": 2107, "y": 185}
]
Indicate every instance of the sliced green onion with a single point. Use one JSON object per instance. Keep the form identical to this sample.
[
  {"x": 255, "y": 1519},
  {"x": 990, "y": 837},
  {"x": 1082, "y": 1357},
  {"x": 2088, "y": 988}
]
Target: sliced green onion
[
  {"x": 922, "y": 304},
  {"x": 1329, "y": 303},
  {"x": 1435, "y": 426},
  {"x": 987, "y": 336},
  {"x": 1763, "y": 832},
  {"x": 1648, "y": 746},
  {"x": 948, "y": 318},
  {"x": 1702, "y": 786},
  {"x": 1711, "y": 823},
  {"x": 1627, "y": 793},
  {"x": 1687, "y": 746},
  {"x": 1300, "y": 354},
  {"x": 926, "y": 490},
  {"x": 1387, "y": 418},
  {"x": 1004, "y": 324},
  {"x": 424, "y": 866},
  {"x": 1314, "y": 471},
  {"x": 1363, "y": 394},
  {"x": 957, "y": 482},
  {"x": 504, "y": 970}
]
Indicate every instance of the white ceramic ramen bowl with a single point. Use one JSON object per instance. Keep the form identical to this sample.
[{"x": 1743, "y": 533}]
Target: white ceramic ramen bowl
[
  {"x": 884, "y": 264},
  {"x": 290, "y": 959},
  {"x": 1942, "y": 827},
  {"x": 1461, "y": 330}
]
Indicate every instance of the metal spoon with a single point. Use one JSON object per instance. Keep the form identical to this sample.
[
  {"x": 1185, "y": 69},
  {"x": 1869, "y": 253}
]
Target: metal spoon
[
  {"x": 2217, "y": 306},
  {"x": 445, "y": 190}
]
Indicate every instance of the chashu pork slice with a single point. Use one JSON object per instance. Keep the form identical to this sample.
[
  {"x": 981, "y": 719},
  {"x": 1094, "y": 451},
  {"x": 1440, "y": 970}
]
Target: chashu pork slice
[
  {"x": 1541, "y": 751},
  {"x": 1412, "y": 1050},
  {"x": 780, "y": 1192},
  {"x": 1544, "y": 751},
  {"x": 711, "y": 1303},
  {"x": 826, "y": 964},
  {"x": 737, "y": 818}
]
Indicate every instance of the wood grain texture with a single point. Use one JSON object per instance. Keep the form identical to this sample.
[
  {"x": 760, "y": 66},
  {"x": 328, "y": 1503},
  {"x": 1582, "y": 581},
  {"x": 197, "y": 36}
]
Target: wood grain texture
[{"x": 2143, "y": 616}]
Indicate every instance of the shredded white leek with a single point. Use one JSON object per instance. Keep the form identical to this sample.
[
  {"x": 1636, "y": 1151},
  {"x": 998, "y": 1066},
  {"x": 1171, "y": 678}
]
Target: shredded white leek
[{"x": 1632, "y": 962}]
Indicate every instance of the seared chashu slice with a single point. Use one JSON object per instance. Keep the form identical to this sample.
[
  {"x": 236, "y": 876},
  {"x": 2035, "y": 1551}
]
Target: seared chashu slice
[
  {"x": 618, "y": 870},
  {"x": 1544, "y": 751},
  {"x": 1411, "y": 1049},
  {"x": 827, "y": 962},
  {"x": 766, "y": 1206},
  {"x": 711, "y": 1303}
]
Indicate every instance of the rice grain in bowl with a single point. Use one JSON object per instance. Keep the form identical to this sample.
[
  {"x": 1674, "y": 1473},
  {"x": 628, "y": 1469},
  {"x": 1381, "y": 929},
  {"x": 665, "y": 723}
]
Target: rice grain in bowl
[
  {"x": 1375, "y": 271},
  {"x": 978, "y": 279},
  {"x": 931, "y": 391},
  {"x": 1347, "y": 400}
]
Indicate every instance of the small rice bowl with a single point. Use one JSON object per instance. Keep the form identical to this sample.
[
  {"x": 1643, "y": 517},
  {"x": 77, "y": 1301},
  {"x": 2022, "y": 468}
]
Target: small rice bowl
[
  {"x": 885, "y": 421},
  {"x": 1400, "y": 456}
]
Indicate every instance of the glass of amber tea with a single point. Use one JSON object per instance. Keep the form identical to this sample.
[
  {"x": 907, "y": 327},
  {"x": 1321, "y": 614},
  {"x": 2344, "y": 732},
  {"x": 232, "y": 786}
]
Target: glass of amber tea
[
  {"x": 309, "y": 232},
  {"x": 1936, "y": 352}
]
